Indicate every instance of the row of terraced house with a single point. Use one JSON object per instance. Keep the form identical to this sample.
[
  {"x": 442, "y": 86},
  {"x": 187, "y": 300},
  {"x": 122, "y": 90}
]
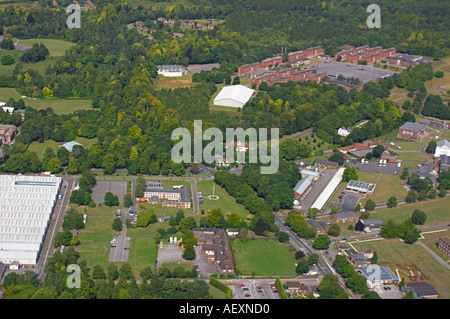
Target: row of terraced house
[
  {"x": 364, "y": 53},
  {"x": 271, "y": 71}
]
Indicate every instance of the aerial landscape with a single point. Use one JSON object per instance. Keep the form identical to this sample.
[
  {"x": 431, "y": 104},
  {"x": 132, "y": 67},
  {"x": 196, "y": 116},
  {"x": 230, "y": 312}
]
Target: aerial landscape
[{"x": 241, "y": 151}]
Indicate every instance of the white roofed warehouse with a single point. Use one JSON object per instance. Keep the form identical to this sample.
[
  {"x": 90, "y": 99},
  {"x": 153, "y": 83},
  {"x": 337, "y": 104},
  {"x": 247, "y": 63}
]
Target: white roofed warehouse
[
  {"x": 26, "y": 205},
  {"x": 234, "y": 96}
]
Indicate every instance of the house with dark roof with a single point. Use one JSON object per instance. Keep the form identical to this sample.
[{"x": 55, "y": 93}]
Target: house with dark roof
[
  {"x": 345, "y": 217},
  {"x": 369, "y": 224},
  {"x": 421, "y": 290},
  {"x": 326, "y": 163}
]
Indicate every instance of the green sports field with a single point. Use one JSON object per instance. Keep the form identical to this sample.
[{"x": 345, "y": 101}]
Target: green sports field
[{"x": 264, "y": 258}]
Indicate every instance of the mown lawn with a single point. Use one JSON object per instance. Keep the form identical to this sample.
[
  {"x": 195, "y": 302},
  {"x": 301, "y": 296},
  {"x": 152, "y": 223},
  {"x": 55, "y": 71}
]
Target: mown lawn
[
  {"x": 386, "y": 186},
  {"x": 55, "y": 47},
  {"x": 95, "y": 238},
  {"x": 436, "y": 210},
  {"x": 264, "y": 258},
  {"x": 226, "y": 202},
  {"x": 59, "y": 106}
]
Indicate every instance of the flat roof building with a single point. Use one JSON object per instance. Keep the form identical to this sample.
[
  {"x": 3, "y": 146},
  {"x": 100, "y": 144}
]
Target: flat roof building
[
  {"x": 26, "y": 204},
  {"x": 360, "y": 187}
]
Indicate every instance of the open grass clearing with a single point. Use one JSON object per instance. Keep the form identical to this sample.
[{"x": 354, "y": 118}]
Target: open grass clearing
[
  {"x": 436, "y": 210},
  {"x": 386, "y": 186},
  {"x": 264, "y": 258},
  {"x": 40, "y": 148},
  {"x": 167, "y": 82},
  {"x": 55, "y": 47},
  {"x": 226, "y": 203},
  {"x": 59, "y": 106}
]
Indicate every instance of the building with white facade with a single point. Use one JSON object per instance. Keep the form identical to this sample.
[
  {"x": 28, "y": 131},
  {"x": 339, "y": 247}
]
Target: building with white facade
[
  {"x": 343, "y": 131},
  {"x": 26, "y": 205},
  {"x": 442, "y": 148}
]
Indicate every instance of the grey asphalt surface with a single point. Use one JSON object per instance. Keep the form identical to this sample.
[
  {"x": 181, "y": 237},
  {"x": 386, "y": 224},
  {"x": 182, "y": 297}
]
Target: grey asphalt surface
[
  {"x": 59, "y": 212},
  {"x": 348, "y": 70}
]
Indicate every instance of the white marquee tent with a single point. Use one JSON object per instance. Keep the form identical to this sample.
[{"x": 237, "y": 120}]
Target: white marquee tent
[{"x": 234, "y": 96}]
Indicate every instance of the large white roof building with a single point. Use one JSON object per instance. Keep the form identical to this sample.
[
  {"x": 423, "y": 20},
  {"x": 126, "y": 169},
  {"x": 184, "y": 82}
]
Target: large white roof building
[
  {"x": 26, "y": 204},
  {"x": 328, "y": 190},
  {"x": 234, "y": 96}
]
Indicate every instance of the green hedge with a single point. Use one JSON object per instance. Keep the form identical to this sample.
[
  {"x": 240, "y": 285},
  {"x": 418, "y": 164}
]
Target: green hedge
[
  {"x": 280, "y": 288},
  {"x": 221, "y": 286}
]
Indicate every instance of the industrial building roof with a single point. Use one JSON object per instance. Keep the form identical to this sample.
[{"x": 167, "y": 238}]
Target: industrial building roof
[{"x": 26, "y": 204}]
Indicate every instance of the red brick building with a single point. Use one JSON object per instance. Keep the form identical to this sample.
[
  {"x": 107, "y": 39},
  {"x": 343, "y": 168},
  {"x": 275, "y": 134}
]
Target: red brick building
[
  {"x": 249, "y": 67},
  {"x": 271, "y": 61}
]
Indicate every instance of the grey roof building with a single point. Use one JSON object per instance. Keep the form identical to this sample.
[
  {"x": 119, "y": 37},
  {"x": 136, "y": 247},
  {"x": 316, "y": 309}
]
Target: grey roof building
[
  {"x": 303, "y": 186},
  {"x": 360, "y": 187},
  {"x": 379, "y": 275},
  {"x": 410, "y": 126},
  {"x": 422, "y": 290}
]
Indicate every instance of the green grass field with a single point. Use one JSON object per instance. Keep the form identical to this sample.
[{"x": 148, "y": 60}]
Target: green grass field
[
  {"x": 55, "y": 47},
  {"x": 40, "y": 148},
  {"x": 434, "y": 208},
  {"x": 96, "y": 236},
  {"x": 264, "y": 258},
  {"x": 59, "y": 106},
  {"x": 386, "y": 186},
  {"x": 226, "y": 202},
  {"x": 7, "y": 69},
  {"x": 174, "y": 82}
]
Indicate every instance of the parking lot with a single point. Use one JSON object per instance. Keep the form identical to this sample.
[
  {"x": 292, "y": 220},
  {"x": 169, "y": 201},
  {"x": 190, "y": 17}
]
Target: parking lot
[
  {"x": 389, "y": 292},
  {"x": 118, "y": 188},
  {"x": 390, "y": 168},
  {"x": 255, "y": 290},
  {"x": 365, "y": 73},
  {"x": 349, "y": 201}
]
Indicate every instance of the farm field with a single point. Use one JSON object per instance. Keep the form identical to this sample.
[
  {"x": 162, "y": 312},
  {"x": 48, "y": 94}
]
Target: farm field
[
  {"x": 393, "y": 251},
  {"x": 264, "y": 258}
]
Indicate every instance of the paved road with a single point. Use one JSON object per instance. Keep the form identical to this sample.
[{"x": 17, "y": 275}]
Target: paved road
[{"x": 55, "y": 225}]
